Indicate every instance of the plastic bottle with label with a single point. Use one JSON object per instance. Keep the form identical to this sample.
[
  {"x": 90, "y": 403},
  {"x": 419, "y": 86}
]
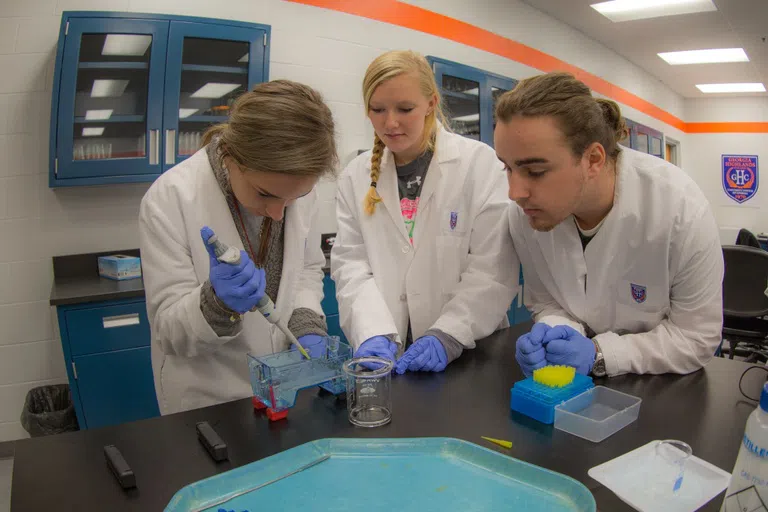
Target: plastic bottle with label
[{"x": 749, "y": 482}]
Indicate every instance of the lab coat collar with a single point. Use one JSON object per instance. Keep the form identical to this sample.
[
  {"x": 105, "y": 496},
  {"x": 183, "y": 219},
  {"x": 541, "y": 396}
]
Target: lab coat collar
[{"x": 387, "y": 184}]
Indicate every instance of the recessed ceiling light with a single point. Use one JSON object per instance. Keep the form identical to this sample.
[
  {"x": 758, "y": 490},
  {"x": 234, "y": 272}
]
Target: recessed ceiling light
[
  {"x": 186, "y": 112},
  {"x": 705, "y": 56},
  {"x": 714, "y": 88},
  {"x": 108, "y": 88},
  {"x": 98, "y": 115},
  {"x": 628, "y": 10},
  {"x": 126, "y": 45},
  {"x": 214, "y": 90},
  {"x": 93, "y": 131}
]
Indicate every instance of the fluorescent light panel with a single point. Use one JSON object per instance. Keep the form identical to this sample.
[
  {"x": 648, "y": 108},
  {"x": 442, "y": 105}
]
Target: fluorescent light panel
[
  {"x": 108, "y": 88},
  {"x": 470, "y": 117},
  {"x": 186, "y": 112},
  {"x": 98, "y": 115},
  {"x": 705, "y": 56},
  {"x": 93, "y": 131},
  {"x": 126, "y": 45},
  {"x": 214, "y": 90},
  {"x": 628, "y": 10},
  {"x": 716, "y": 88}
]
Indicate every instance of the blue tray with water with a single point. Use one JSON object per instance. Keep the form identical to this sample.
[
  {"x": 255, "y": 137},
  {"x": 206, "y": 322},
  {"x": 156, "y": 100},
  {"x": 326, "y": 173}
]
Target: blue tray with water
[{"x": 419, "y": 474}]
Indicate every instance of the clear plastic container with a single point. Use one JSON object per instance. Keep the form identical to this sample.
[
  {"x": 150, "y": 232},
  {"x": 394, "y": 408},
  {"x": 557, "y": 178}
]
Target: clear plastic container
[
  {"x": 597, "y": 414},
  {"x": 369, "y": 398},
  {"x": 276, "y": 378}
]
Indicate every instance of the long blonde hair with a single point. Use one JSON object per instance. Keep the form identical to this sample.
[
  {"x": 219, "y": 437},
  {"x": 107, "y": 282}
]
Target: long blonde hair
[
  {"x": 582, "y": 118},
  {"x": 383, "y": 68}
]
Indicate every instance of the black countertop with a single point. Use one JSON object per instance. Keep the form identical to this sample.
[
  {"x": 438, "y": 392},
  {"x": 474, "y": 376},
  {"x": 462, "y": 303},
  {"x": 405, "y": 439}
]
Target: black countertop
[
  {"x": 76, "y": 280},
  {"x": 470, "y": 399}
]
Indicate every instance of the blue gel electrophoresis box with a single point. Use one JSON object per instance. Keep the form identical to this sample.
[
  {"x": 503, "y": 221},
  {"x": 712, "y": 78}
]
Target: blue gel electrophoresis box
[{"x": 538, "y": 401}]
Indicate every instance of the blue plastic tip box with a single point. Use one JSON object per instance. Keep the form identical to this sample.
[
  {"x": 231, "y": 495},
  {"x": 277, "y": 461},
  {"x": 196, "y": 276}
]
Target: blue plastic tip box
[{"x": 538, "y": 401}]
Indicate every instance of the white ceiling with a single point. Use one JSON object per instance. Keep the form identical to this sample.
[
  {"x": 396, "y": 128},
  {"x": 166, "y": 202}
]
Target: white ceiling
[{"x": 736, "y": 24}]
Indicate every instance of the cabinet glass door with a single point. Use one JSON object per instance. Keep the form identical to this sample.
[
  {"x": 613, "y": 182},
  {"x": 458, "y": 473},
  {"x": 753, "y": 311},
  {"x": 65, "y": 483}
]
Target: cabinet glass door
[
  {"x": 497, "y": 86},
  {"x": 461, "y": 99},
  {"x": 208, "y": 68},
  {"x": 111, "y": 98}
]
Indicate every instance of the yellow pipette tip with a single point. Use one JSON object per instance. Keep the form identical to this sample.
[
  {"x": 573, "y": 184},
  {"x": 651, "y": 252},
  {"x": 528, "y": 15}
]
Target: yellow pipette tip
[
  {"x": 500, "y": 442},
  {"x": 303, "y": 351}
]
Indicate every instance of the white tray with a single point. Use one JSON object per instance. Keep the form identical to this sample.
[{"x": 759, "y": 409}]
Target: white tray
[{"x": 627, "y": 477}]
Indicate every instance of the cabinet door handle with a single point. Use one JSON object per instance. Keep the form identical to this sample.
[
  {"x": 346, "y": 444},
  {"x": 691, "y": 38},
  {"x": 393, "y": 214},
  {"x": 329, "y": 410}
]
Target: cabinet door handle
[
  {"x": 170, "y": 147},
  {"x": 111, "y": 322},
  {"x": 154, "y": 147}
]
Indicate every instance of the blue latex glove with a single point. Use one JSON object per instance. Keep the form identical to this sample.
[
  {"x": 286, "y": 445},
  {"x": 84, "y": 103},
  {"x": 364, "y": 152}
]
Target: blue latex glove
[
  {"x": 239, "y": 286},
  {"x": 379, "y": 346},
  {"x": 564, "y": 345},
  {"x": 427, "y": 354},
  {"x": 529, "y": 351},
  {"x": 314, "y": 344}
]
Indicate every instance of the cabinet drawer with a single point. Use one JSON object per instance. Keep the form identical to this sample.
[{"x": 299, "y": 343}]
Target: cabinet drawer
[
  {"x": 106, "y": 328},
  {"x": 116, "y": 387}
]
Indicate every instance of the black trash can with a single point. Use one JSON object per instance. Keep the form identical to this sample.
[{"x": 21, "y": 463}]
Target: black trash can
[{"x": 49, "y": 410}]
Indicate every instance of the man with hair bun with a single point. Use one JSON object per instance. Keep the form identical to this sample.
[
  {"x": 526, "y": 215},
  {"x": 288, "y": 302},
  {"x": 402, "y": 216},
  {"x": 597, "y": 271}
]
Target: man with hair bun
[{"x": 620, "y": 251}]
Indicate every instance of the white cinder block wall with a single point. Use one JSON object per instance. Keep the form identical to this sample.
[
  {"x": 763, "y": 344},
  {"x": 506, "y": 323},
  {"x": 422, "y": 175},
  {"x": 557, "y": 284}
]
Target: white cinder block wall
[
  {"x": 325, "y": 49},
  {"x": 702, "y": 157}
]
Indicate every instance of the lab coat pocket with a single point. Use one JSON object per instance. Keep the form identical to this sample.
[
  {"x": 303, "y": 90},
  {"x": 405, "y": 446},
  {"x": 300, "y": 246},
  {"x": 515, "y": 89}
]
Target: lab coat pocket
[
  {"x": 449, "y": 258},
  {"x": 632, "y": 320}
]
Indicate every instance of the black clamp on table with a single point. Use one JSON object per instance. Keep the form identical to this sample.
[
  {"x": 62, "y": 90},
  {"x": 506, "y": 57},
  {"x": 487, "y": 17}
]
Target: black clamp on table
[{"x": 216, "y": 447}]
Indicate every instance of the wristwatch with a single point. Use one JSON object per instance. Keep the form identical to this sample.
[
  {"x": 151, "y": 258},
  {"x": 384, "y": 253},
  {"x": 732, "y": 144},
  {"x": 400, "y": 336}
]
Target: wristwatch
[{"x": 598, "y": 369}]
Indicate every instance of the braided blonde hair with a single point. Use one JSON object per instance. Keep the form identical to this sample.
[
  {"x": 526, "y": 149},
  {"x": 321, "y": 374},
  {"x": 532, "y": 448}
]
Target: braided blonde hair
[{"x": 383, "y": 68}]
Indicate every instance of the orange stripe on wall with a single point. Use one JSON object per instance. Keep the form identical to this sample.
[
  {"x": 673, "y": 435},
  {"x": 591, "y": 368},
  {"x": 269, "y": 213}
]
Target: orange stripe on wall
[
  {"x": 422, "y": 20},
  {"x": 726, "y": 127}
]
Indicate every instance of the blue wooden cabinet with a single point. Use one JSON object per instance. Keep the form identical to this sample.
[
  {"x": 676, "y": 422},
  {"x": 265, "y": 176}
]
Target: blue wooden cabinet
[
  {"x": 107, "y": 353},
  {"x": 133, "y": 93},
  {"x": 469, "y": 97}
]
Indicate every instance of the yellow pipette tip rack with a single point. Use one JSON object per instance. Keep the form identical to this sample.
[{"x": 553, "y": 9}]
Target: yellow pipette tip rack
[{"x": 555, "y": 376}]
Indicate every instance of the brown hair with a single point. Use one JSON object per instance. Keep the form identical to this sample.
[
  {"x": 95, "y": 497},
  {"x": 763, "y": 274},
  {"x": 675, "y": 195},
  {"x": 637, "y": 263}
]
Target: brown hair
[
  {"x": 383, "y": 68},
  {"x": 582, "y": 118},
  {"x": 281, "y": 127}
]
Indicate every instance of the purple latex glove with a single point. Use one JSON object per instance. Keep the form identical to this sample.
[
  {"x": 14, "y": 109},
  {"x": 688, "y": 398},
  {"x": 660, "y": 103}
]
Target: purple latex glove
[
  {"x": 314, "y": 344},
  {"x": 529, "y": 351},
  {"x": 378, "y": 346},
  {"x": 566, "y": 346},
  {"x": 239, "y": 286},
  {"x": 427, "y": 354}
]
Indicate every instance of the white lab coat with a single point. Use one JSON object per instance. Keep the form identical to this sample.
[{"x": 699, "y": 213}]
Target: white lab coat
[
  {"x": 192, "y": 366},
  {"x": 660, "y": 235},
  {"x": 456, "y": 277}
]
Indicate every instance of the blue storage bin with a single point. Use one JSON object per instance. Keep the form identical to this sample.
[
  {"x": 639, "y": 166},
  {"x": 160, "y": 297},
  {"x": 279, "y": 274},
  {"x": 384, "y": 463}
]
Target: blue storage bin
[{"x": 538, "y": 401}]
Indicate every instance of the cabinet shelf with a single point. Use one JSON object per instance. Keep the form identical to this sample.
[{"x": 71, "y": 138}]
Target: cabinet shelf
[
  {"x": 113, "y": 65},
  {"x": 204, "y": 119},
  {"x": 215, "y": 69},
  {"x": 113, "y": 119}
]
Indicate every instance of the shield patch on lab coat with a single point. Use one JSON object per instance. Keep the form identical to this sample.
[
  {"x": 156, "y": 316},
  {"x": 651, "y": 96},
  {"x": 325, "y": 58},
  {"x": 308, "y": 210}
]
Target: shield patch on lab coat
[{"x": 638, "y": 293}]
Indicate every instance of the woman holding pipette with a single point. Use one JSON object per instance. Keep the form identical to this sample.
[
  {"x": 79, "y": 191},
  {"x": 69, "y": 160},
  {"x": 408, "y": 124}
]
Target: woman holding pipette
[{"x": 252, "y": 186}]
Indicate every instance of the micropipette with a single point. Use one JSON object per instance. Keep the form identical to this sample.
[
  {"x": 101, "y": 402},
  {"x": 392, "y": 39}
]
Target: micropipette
[{"x": 265, "y": 306}]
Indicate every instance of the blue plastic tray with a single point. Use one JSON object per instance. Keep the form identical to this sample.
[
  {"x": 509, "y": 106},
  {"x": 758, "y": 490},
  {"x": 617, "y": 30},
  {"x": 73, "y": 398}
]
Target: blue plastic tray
[
  {"x": 538, "y": 401},
  {"x": 385, "y": 475}
]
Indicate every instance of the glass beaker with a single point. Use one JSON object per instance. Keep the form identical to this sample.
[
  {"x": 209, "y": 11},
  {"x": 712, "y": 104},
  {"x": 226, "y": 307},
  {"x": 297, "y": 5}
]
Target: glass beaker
[
  {"x": 369, "y": 398},
  {"x": 669, "y": 467}
]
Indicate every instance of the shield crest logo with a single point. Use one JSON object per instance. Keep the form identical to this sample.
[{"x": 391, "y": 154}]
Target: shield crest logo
[
  {"x": 740, "y": 177},
  {"x": 638, "y": 293},
  {"x": 454, "y": 220}
]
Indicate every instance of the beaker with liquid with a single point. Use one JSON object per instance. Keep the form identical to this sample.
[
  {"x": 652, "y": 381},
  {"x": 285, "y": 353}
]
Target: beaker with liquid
[{"x": 369, "y": 381}]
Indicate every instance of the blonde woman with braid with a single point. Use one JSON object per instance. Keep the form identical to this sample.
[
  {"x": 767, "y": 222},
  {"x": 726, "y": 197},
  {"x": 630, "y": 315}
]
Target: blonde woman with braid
[{"x": 422, "y": 252}]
